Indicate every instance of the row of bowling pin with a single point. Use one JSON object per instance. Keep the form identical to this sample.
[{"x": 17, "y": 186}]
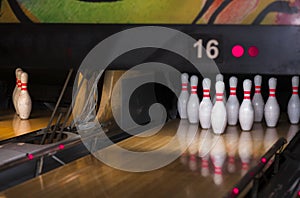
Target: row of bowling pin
[
  {"x": 219, "y": 114},
  {"x": 217, "y": 149},
  {"x": 21, "y": 98}
]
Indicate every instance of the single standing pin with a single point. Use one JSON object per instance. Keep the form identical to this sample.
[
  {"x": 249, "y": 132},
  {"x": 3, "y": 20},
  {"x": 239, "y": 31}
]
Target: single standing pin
[
  {"x": 219, "y": 77},
  {"x": 246, "y": 112},
  {"x": 272, "y": 109},
  {"x": 218, "y": 112},
  {"x": 24, "y": 100},
  {"x": 16, "y": 87},
  {"x": 205, "y": 105},
  {"x": 183, "y": 97},
  {"x": 232, "y": 105},
  {"x": 19, "y": 72},
  {"x": 193, "y": 102},
  {"x": 294, "y": 102},
  {"x": 258, "y": 101}
]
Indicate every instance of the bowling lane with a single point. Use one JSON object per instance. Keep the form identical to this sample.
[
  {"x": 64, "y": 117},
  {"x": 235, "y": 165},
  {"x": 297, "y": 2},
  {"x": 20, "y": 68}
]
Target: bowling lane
[
  {"x": 11, "y": 125},
  {"x": 190, "y": 175}
]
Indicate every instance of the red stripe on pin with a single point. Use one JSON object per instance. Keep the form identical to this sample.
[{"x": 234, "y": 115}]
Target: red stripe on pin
[
  {"x": 232, "y": 88},
  {"x": 257, "y": 91},
  {"x": 219, "y": 94},
  {"x": 247, "y": 97},
  {"x": 206, "y": 96},
  {"x": 206, "y": 90},
  {"x": 184, "y": 89},
  {"x": 247, "y": 92},
  {"x": 257, "y": 87},
  {"x": 194, "y": 92},
  {"x": 272, "y": 95},
  {"x": 272, "y": 90},
  {"x": 184, "y": 84}
]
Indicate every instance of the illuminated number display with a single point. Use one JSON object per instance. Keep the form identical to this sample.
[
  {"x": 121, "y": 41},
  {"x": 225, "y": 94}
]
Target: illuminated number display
[{"x": 208, "y": 46}]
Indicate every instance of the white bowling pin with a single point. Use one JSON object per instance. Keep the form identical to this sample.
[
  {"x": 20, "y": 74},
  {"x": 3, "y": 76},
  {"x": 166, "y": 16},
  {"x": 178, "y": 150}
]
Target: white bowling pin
[
  {"x": 183, "y": 97},
  {"x": 24, "y": 100},
  {"x": 205, "y": 147},
  {"x": 17, "y": 93},
  {"x": 232, "y": 140},
  {"x": 193, "y": 102},
  {"x": 294, "y": 102},
  {"x": 246, "y": 112},
  {"x": 218, "y": 113},
  {"x": 232, "y": 105},
  {"x": 258, "y": 101},
  {"x": 220, "y": 77},
  {"x": 16, "y": 87},
  {"x": 218, "y": 156},
  {"x": 205, "y": 105},
  {"x": 272, "y": 109},
  {"x": 245, "y": 150}
]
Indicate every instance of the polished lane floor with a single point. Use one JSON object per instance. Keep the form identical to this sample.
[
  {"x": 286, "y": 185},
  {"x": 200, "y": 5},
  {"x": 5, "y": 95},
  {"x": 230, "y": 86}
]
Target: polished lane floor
[{"x": 193, "y": 174}]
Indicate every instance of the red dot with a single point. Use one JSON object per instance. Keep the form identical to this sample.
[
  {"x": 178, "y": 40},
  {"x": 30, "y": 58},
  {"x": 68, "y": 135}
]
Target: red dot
[
  {"x": 61, "y": 147},
  {"x": 263, "y": 160},
  {"x": 30, "y": 156},
  {"x": 253, "y": 51},
  {"x": 235, "y": 191},
  {"x": 237, "y": 51}
]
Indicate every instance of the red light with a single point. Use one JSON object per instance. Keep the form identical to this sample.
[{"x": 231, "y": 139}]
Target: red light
[
  {"x": 30, "y": 156},
  {"x": 253, "y": 51},
  {"x": 299, "y": 193},
  {"x": 237, "y": 51},
  {"x": 61, "y": 147},
  {"x": 263, "y": 160},
  {"x": 235, "y": 191}
]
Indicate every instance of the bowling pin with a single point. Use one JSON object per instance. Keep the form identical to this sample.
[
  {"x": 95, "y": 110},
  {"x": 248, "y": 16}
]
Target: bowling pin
[
  {"x": 245, "y": 150},
  {"x": 246, "y": 112},
  {"x": 193, "y": 102},
  {"x": 219, "y": 77},
  {"x": 16, "y": 87},
  {"x": 17, "y": 93},
  {"x": 218, "y": 112},
  {"x": 272, "y": 109},
  {"x": 258, "y": 101},
  {"x": 24, "y": 100},
  {"x": 294, "y": 102},
  {"x": 183, "y": 97},
  {"x": 232, "y": 105},
  {"x": 205, "y": 105},
  {"x": 218, "y": 156}
]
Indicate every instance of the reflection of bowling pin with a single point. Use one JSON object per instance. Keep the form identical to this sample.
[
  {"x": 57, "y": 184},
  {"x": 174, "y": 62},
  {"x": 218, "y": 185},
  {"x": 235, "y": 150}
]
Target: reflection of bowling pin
[
  {"x": 205, "y": 105},
  {"x": 294, "y": 102},
  {"x": 258, "y": 138},
  {"x": 182, "y": 131},
  {"x": 204, "y": 150},
  {"x": 17, "y": 93},
  {"x": 271, "y": 137},
  {"x": 218, "y": 113},
  {"x": 232, "y": 140},
  {"x": 272, "y": 110},
  {"x": 219, "y": 77},
  {"x": 292, "y": 132},
  {"x": 192, "y": 142},
  {"x": 245, "y": 150},
  {"x": 232, "y": 105},
  {"x": 258, "y": 101},
  {"x": 246, "y": 112},
  {"x": 193, "y": 102},
  {"x": 218, "y": 156},
  {"x": 183, "y": 97},
  {"x": 24, "y": 100},
  {"x": 16, "y": 87}
]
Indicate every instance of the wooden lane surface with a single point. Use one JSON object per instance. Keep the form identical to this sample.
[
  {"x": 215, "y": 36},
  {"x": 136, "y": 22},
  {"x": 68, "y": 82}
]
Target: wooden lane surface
[
  {"x": 88, "y": 177},
  {"x": 11, "y": 125}
]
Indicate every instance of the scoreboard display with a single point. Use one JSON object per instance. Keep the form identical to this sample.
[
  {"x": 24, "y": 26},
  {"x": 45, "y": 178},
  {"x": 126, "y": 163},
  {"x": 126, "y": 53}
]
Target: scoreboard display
[{"x": 234, "y": 48}]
